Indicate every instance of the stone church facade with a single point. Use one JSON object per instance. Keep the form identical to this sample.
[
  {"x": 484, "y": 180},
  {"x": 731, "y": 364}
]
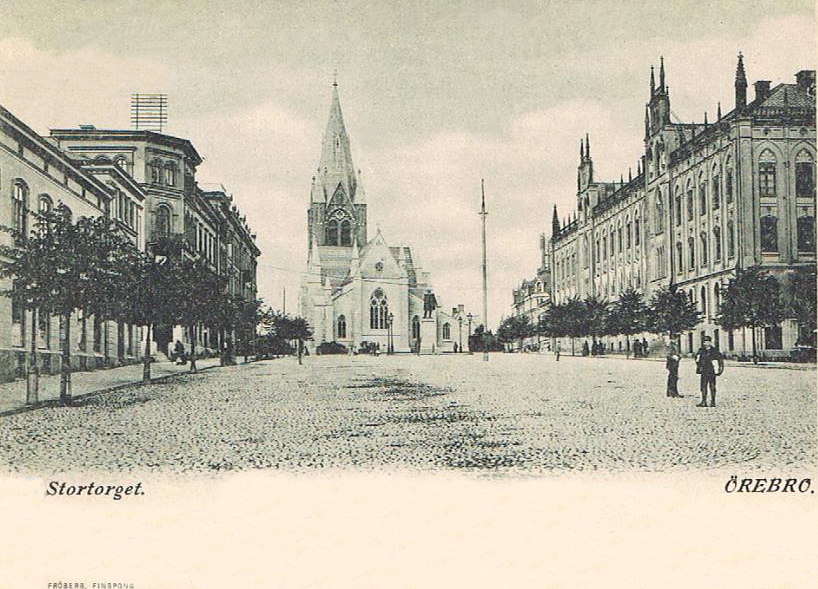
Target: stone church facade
[
  {"x": 357, "y": 289},
  {"x": 707, "y": 198}
]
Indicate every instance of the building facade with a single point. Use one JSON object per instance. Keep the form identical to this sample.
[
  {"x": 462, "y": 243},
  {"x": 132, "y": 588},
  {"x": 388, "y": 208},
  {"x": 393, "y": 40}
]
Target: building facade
[
  {"x": 532, "y": 298},
  {"x": 357, "y": 289},
  {"x": 36, "y": 176},
  {"x": 707, "y": 198},
  {"x": 181, "y": 218}
]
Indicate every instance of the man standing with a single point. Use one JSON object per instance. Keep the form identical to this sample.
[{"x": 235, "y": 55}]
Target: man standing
[
  {"x": 705, "y": 358},
  {"x": 557, "y": 349},
  {"x": 672, "y": 366}
]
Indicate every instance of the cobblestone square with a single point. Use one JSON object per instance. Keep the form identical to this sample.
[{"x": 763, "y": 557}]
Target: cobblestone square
[{"x": 517, "y": 414}]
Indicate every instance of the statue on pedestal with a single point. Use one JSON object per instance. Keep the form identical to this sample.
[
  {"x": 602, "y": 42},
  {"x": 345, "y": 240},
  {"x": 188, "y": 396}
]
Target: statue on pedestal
[{"x": 429, "y": 304}]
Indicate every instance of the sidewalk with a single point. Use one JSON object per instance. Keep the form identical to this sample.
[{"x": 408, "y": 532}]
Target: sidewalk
[
  {"x": 727, "y": 363},
  {"x": 13, "y": 394}
]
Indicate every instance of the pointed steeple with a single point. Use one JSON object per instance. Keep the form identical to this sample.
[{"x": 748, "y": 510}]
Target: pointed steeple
[
  {"x": 718, "y": 111},
  {"x": 335, "y": 166},
  {"x": 705, "y": 118},
  {"x": 630, "y": 175},
  {"x": 652, "y": 82},
  {"x": 661, "y": 73},
  {"x": 581, "y": 150},
  {"x": 555, "y": 223},
  {"x": 587, "y": 147},
  {"x": 741, "y": 83}
]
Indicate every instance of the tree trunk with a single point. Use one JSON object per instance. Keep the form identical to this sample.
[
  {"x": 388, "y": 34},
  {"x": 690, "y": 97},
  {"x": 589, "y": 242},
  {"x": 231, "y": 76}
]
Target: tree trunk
[
  {"x": 627, "y": 348},
  {"x": 146, "y": 358},
  {"x": 222, "y": 349},
  {"x": 192, "y": 334},
  {"x": 753, "y": 333},
  {"x": 32, "y": 365},
  {"x": 65, "y": 367}
]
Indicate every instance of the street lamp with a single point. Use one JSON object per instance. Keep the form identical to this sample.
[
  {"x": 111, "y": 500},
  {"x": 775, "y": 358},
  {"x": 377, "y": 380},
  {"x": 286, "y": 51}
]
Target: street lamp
[
  {"x": 468, "y": 340},
  {"x": 390, "y": 349},
  {"x": 460, "y": 333}
]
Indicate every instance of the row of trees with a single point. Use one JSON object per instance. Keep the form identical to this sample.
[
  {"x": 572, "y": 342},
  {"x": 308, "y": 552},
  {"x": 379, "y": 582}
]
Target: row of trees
[
  {"x": 752, "y": 299},
  {"x": 63, "y": 266},
  {"x": 279, "y": 332}
]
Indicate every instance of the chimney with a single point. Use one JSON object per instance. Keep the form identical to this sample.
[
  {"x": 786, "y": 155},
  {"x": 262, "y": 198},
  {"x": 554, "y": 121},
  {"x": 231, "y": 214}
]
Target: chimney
[
  {"x": 460, "y": 308},
  {"x": 762, "y": 89},
  {"x": 454, "y": 310},
  {"x": 806, "y": 81}
]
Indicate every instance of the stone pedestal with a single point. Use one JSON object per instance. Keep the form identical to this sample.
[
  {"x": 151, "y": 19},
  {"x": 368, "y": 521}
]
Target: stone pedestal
[{"x": 428, "y": 336}]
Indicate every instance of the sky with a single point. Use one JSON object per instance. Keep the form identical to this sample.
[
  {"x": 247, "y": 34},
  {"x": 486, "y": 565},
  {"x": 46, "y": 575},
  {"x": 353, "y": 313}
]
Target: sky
[{"x": 435, "y": 96}]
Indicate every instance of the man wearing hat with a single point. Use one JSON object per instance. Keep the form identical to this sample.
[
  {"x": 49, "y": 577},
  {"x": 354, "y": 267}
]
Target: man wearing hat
[
  {"x": 672, "y": 365},
  {"x": 705, "y": 358}
]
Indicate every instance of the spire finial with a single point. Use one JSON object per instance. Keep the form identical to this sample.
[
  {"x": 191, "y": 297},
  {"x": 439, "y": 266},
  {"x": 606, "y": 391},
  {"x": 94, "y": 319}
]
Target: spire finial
[
  {"x": 661, "y": 73},
  {"x": 652, "y": 82},
  {"x": 718, "y": 111},
  {"x": 705, "y": 117},
  {"x": 587, "y": 146},
  {"x": 581, "y": 150},
  {"x": 335, "y": 78}
]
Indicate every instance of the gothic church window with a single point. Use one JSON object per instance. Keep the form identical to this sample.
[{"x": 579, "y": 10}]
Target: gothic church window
[
  {"x": 342, "y": 327},
  {"x": 677, "y": 205},
  {"x": 717, "y": 243},
  {"x": 731, "y": 239},
  {"x": 690, "y": 203},
  {"x": 705, "y": 248},
  {"x": 332, "y": 232},
  {"x": 702, "y": 196},
  {"x": 447, "y": 331},
  {"x": 691, "y": 253},
  {"x": 162, "y": 222},
  {"x": 806, "y": 232},
  {"x": 415, "y": 327},
  {"x": 378, "y": 310},
  {"x": 716, "y": 192},
  {"x": 769, "y": 230},
  {"x": 345, "y": 236},
  {"x": 636, "y": 231},
  {"x": 728, "y": 186}
]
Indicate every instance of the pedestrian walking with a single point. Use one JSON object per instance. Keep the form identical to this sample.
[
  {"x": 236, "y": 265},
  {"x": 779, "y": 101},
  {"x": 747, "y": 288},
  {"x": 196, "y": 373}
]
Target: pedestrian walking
[
  {"x": 705, "y": 358},
  {"x": 585, "y": 351},
  {"x": 672, "y": 366},
  {"x": 637, "y": 349},
  {"x": 557, "y": 349},
  {"x": 644, "y": 347}
]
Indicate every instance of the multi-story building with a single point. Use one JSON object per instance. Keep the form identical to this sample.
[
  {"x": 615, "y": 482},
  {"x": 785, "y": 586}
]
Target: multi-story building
[
  {"x": 707, "y": 198},
  {"x": 36, "y": 176},
  {"x": 181, "y": 218},
  {"x": 532, "y": 298}
]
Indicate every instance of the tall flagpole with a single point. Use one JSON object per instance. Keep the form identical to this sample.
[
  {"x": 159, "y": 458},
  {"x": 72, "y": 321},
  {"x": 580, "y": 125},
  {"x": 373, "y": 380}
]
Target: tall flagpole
[{"x": 483, "y": 214}]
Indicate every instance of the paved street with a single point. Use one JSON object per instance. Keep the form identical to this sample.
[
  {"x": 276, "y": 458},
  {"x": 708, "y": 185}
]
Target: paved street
[{"x": 520, "y": 413}]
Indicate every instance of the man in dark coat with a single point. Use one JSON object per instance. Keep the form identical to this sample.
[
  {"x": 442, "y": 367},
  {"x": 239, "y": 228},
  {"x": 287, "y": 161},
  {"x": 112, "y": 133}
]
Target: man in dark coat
[
  {"x": 672, "y": 366},
  {"x": 705, "y": 358}
]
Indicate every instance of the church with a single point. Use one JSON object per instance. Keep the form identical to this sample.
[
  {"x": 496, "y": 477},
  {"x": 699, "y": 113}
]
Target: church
[{"x": 358, "y": 290}]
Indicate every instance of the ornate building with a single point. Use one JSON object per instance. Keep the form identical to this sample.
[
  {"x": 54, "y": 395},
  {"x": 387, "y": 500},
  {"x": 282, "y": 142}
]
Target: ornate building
[
  {"x": 707, "y": 198},
  {"x": 533, "y": 296},
  {"x": 358, "y": 290}
]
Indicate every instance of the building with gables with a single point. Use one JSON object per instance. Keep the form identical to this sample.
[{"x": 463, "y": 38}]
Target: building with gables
[
  {"x": 707, "y": 198},
  {"x": 357, "y": 289}
]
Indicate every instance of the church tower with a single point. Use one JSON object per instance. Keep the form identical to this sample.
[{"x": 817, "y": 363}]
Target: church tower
[{"x": 337, "y": 213}]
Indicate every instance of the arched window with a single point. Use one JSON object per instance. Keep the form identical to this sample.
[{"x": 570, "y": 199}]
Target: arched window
[
  {"x": 702, "y": 195},
  {"x": 346, "y": 238},
  {"x": 628, "y": 234},
  {"x": 806, "y": 232},
  {"x": 65, "y": 212},
  {"x": 679, "y": 257},
  {"x": 121, "y": 162},
  {"x": 705, "y": 248},
  {"x": 332, "y": 232},
  {"x": 704, "y": 300},
  {"x": 660, "y": 213},
  {"x": 102, "y": 160},
  {"x": 766, "y": 174},
  {"x": 716, "y": 189},
  {"x": 636, "y": 232},
  {"x": 170, "y": 174},
  {"x": 447, "y": 331},
  {"x": 378, "y": 310},
  {"x": 44, "y": 205},
  {"x": 415, "y": 327},
  {"x": 162, "y": 228},
  {"x": 689, "y": 200},
  {"x": 342, "y": 327},
  {"x": 717, "y": 243},
  {"x": 677, "y": 205},
  {"x": 691, "y": 253},
  {"x": 804, "y": 175},
  {"x": 769, "y": 230},
  {"x": 19, "y": 209},
  {"x": 728, "y": 185},
  {"x": 156, "y": 172},
  {"x": 731, "y": 240}
]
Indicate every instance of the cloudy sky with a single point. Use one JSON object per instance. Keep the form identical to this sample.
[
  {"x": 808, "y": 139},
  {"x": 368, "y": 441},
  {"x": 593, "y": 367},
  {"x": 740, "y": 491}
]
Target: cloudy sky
[{"x": 436, "y": 95}]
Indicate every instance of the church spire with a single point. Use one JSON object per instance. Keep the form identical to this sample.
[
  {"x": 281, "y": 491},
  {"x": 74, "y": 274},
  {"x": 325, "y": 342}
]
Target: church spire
[
  {"x": 336, "y": 167},
  {"x": 741, "y": 83},
  {"x": 661, "y": 73},
  {"x": 587, "y": 147},
  {"x": 555, "y": 224},
  {"x": 652, "y": 82}
]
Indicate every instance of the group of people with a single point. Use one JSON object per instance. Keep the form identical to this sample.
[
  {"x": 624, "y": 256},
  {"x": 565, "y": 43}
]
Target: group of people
[{"x": 709, "y": 364}]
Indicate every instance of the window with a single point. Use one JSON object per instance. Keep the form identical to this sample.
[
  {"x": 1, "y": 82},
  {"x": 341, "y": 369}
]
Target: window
[
  {"x": 660, "y": 216},
  {"x": 731, "y": 240},
  {"x": 636, "y": 232},
  {"x": 806, "y": 233},
  {"x": 170, "y": 174},
  {"x": 604, "y": 247},
  {"x": 691, "y": 253},
  {"x": 342, "y": 327},
  {"x": 162, "y": 222},
  {"x": 415, "y": 327},
  {"x": 677, "y": 205},
  {"x": 156, "y": 172},
  {"x": 122, "y": 163},
  {"x": 65, "y": 212},
  {"x": 804, "y": 175},
  {"x": 704, "y": 301},
  {"x": 628, "y": 234},
  {"x": 716, "y": 299},
  {"x": 716, "y": 192},
  {"x": 378, "y": 310},
  {"x": 769, "y": 230},
  {"x": 717, "y": 243},
  {"x": 346, "y": 238},
  {"x": 619, "y": 238},
  {"x": 766, "y": 174},
  {"x": 705, "y": 249},
  {"x": 447, "y": 331},
  {"x": 702, "y": 198},
  {"x": 690, "y": 204},
  {"x": 679, "y": 257},
  {"x": 19, "y": 210},
  {"x": 728, "y": 186}
]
